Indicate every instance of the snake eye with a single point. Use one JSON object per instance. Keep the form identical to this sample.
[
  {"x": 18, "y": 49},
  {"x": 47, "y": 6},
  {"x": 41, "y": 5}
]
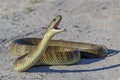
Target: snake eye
[{"x": 54, "y": 19}]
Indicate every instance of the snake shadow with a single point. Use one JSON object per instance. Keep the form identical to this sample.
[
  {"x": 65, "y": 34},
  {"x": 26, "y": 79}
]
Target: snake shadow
[{"x": 83, "y": 61}]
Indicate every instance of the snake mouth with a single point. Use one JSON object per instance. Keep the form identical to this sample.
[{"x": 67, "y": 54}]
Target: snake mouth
[{"x": 56, "y": 21}]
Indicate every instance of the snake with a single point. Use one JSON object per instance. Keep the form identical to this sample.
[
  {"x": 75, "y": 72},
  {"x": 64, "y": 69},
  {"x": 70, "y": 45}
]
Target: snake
[{"x": 45, "y": 51}]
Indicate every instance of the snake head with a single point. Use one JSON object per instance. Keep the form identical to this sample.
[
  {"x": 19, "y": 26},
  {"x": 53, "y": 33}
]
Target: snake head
[{"x": 53, "y": 26}]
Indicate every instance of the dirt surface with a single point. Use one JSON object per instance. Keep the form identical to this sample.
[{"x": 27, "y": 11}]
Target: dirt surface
[{"x": 91, "y": 21}]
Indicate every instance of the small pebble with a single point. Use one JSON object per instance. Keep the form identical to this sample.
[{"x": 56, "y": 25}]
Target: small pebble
[{"x": 76, "y": 26}]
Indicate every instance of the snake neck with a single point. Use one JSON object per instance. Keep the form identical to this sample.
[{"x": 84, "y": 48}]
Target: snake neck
[{"x": 44, "y": 42}]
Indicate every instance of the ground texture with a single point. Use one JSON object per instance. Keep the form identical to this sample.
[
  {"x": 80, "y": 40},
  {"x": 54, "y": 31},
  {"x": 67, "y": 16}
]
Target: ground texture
[{"x": 91, "y": 21}]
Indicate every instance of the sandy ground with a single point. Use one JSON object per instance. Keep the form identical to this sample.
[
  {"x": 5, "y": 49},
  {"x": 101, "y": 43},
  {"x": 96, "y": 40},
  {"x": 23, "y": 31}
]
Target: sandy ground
[{"x": 93, "y": 21}]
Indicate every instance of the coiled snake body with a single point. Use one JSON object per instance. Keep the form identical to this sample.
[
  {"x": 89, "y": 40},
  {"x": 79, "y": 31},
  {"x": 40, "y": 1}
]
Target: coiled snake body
[{"x": 34, "y": 51}]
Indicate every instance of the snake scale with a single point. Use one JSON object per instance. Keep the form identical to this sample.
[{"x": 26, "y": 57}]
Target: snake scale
[{"x": 44, "y": 51}]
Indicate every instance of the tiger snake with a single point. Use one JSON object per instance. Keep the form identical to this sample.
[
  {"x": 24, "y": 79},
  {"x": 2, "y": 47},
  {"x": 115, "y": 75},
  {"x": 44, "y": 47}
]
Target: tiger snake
[{"x": 44, "y": 51}]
